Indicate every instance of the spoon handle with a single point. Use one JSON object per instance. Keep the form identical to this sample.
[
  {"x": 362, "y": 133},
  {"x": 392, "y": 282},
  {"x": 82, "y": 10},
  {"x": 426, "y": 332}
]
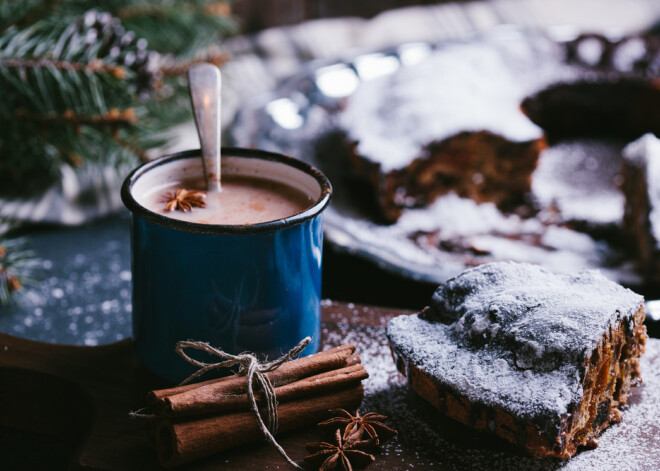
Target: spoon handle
[{"x": 204, "y": 82}]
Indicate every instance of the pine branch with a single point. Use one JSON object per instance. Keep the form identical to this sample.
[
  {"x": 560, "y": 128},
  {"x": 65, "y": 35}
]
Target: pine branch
[
  {"x": 221, "y": 9},
  {"x": 71, "y": 140},
  {"x": 175, "y": 68},
  {"x": 176, "y": 27},
  {"x": 183, "y": 28},
  {"x": 67, "y": 72},
  {"x": 185, "y": 34},
  {"x": 21, "y": 12},
  {"x": 132, "y": 147},
  {"x": 17, "y": 265},
  {"x": 112, "y": 118},
  {"x": 90, "y": 66},
  {"x": 61, "y": 78},
  {"x": 93, "y": 66}
]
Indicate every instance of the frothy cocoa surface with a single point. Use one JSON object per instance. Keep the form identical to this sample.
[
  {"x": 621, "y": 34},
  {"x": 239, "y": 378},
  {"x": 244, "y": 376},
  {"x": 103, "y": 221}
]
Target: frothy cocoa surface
[{"x": 243, "y": 200}]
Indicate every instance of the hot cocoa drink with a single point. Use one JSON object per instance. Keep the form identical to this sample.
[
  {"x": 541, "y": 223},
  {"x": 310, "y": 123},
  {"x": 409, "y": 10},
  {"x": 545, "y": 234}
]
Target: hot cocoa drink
[
  {"x": 251, "y": 194},
  {"x": 243, "y": 200}
]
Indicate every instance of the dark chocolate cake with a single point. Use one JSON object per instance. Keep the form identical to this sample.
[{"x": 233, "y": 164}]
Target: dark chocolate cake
[
  {"x": 542, "y": 360},
  {"x": 473, "y": 117},
  {"x": 641, "y": 171}
]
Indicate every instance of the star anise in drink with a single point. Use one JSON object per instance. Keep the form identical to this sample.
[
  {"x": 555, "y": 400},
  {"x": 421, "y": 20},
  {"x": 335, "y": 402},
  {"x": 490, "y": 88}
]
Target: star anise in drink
[
  {"x": 346, "y": 454},
  {"x": 370, "y": 424},
  {"x": 184, "y": 200}
]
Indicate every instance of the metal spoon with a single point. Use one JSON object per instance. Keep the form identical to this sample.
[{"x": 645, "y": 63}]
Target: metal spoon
[{"x": 204, "y": 82}]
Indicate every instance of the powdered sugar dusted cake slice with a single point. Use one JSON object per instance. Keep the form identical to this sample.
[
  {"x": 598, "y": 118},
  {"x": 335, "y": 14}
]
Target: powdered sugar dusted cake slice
[
  {"x": 473, "y": 116},
  {"x": 451, "y": 122},
  {"x": 542, "y": 360},
  {"x": 641, "y": 174}
]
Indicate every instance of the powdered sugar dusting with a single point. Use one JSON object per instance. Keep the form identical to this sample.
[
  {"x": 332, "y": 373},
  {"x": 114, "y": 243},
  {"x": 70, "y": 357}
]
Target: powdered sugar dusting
[
  {"x": 431, "y": 442},
  {"x": 514, "y": 336},
  {"x": 645, "y": 153},
  {"x": 471, "y": 86},
  {"x": 580, "y": 180},
  {"x": 457, "y": 232},
  {"x": 392, "y": 118}
]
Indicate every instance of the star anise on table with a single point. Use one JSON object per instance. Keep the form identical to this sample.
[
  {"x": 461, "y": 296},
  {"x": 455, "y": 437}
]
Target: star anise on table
[
  {"x": 346, "y": 454},
  {"x": 369, "y": 423},
  {"x": 183, "y": 200}
]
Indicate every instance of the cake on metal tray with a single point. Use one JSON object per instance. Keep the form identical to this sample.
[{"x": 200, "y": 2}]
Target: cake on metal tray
[{"x": 473, "y": 116}]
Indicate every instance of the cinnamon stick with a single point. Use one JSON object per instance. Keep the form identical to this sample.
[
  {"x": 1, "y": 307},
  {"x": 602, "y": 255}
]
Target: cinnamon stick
[
  {"x": 205, "y": 400},
  {"x": 354, "y": 359},
  {"x": 185, "y": 441},
  {"x": 321, "y": 361},
  {"x": 290, "y": 371}
]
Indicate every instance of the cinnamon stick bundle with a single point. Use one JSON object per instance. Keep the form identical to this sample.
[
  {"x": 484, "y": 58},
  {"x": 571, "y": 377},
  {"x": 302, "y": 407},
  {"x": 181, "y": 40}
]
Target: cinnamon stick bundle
[
  {"x": 196, "y": 420},
  {"x": 185, "y": 441},
  {"x": 212, "y": 395}
]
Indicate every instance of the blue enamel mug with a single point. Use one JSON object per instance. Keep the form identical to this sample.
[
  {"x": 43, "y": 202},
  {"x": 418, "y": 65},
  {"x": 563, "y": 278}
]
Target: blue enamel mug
[{"x": 253, "y": 287}]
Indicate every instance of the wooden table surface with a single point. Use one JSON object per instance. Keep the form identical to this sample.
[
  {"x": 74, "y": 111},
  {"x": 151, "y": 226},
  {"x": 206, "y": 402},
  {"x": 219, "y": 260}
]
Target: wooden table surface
[{"x": 66, "y": 407}]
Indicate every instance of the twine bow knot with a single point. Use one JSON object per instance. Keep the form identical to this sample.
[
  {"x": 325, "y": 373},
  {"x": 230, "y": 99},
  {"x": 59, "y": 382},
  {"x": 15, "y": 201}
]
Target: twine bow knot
[{"x": 249, "y": 366}]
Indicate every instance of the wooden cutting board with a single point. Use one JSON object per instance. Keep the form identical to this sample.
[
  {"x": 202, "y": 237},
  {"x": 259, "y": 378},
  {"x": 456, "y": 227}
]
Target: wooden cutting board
[{"x": 67, "y": 406}]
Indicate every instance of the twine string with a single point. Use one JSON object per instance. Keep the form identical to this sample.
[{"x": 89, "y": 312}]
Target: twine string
[
  {"x": 142, "y": 413},
  {"x": 255, "y": 371}
]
